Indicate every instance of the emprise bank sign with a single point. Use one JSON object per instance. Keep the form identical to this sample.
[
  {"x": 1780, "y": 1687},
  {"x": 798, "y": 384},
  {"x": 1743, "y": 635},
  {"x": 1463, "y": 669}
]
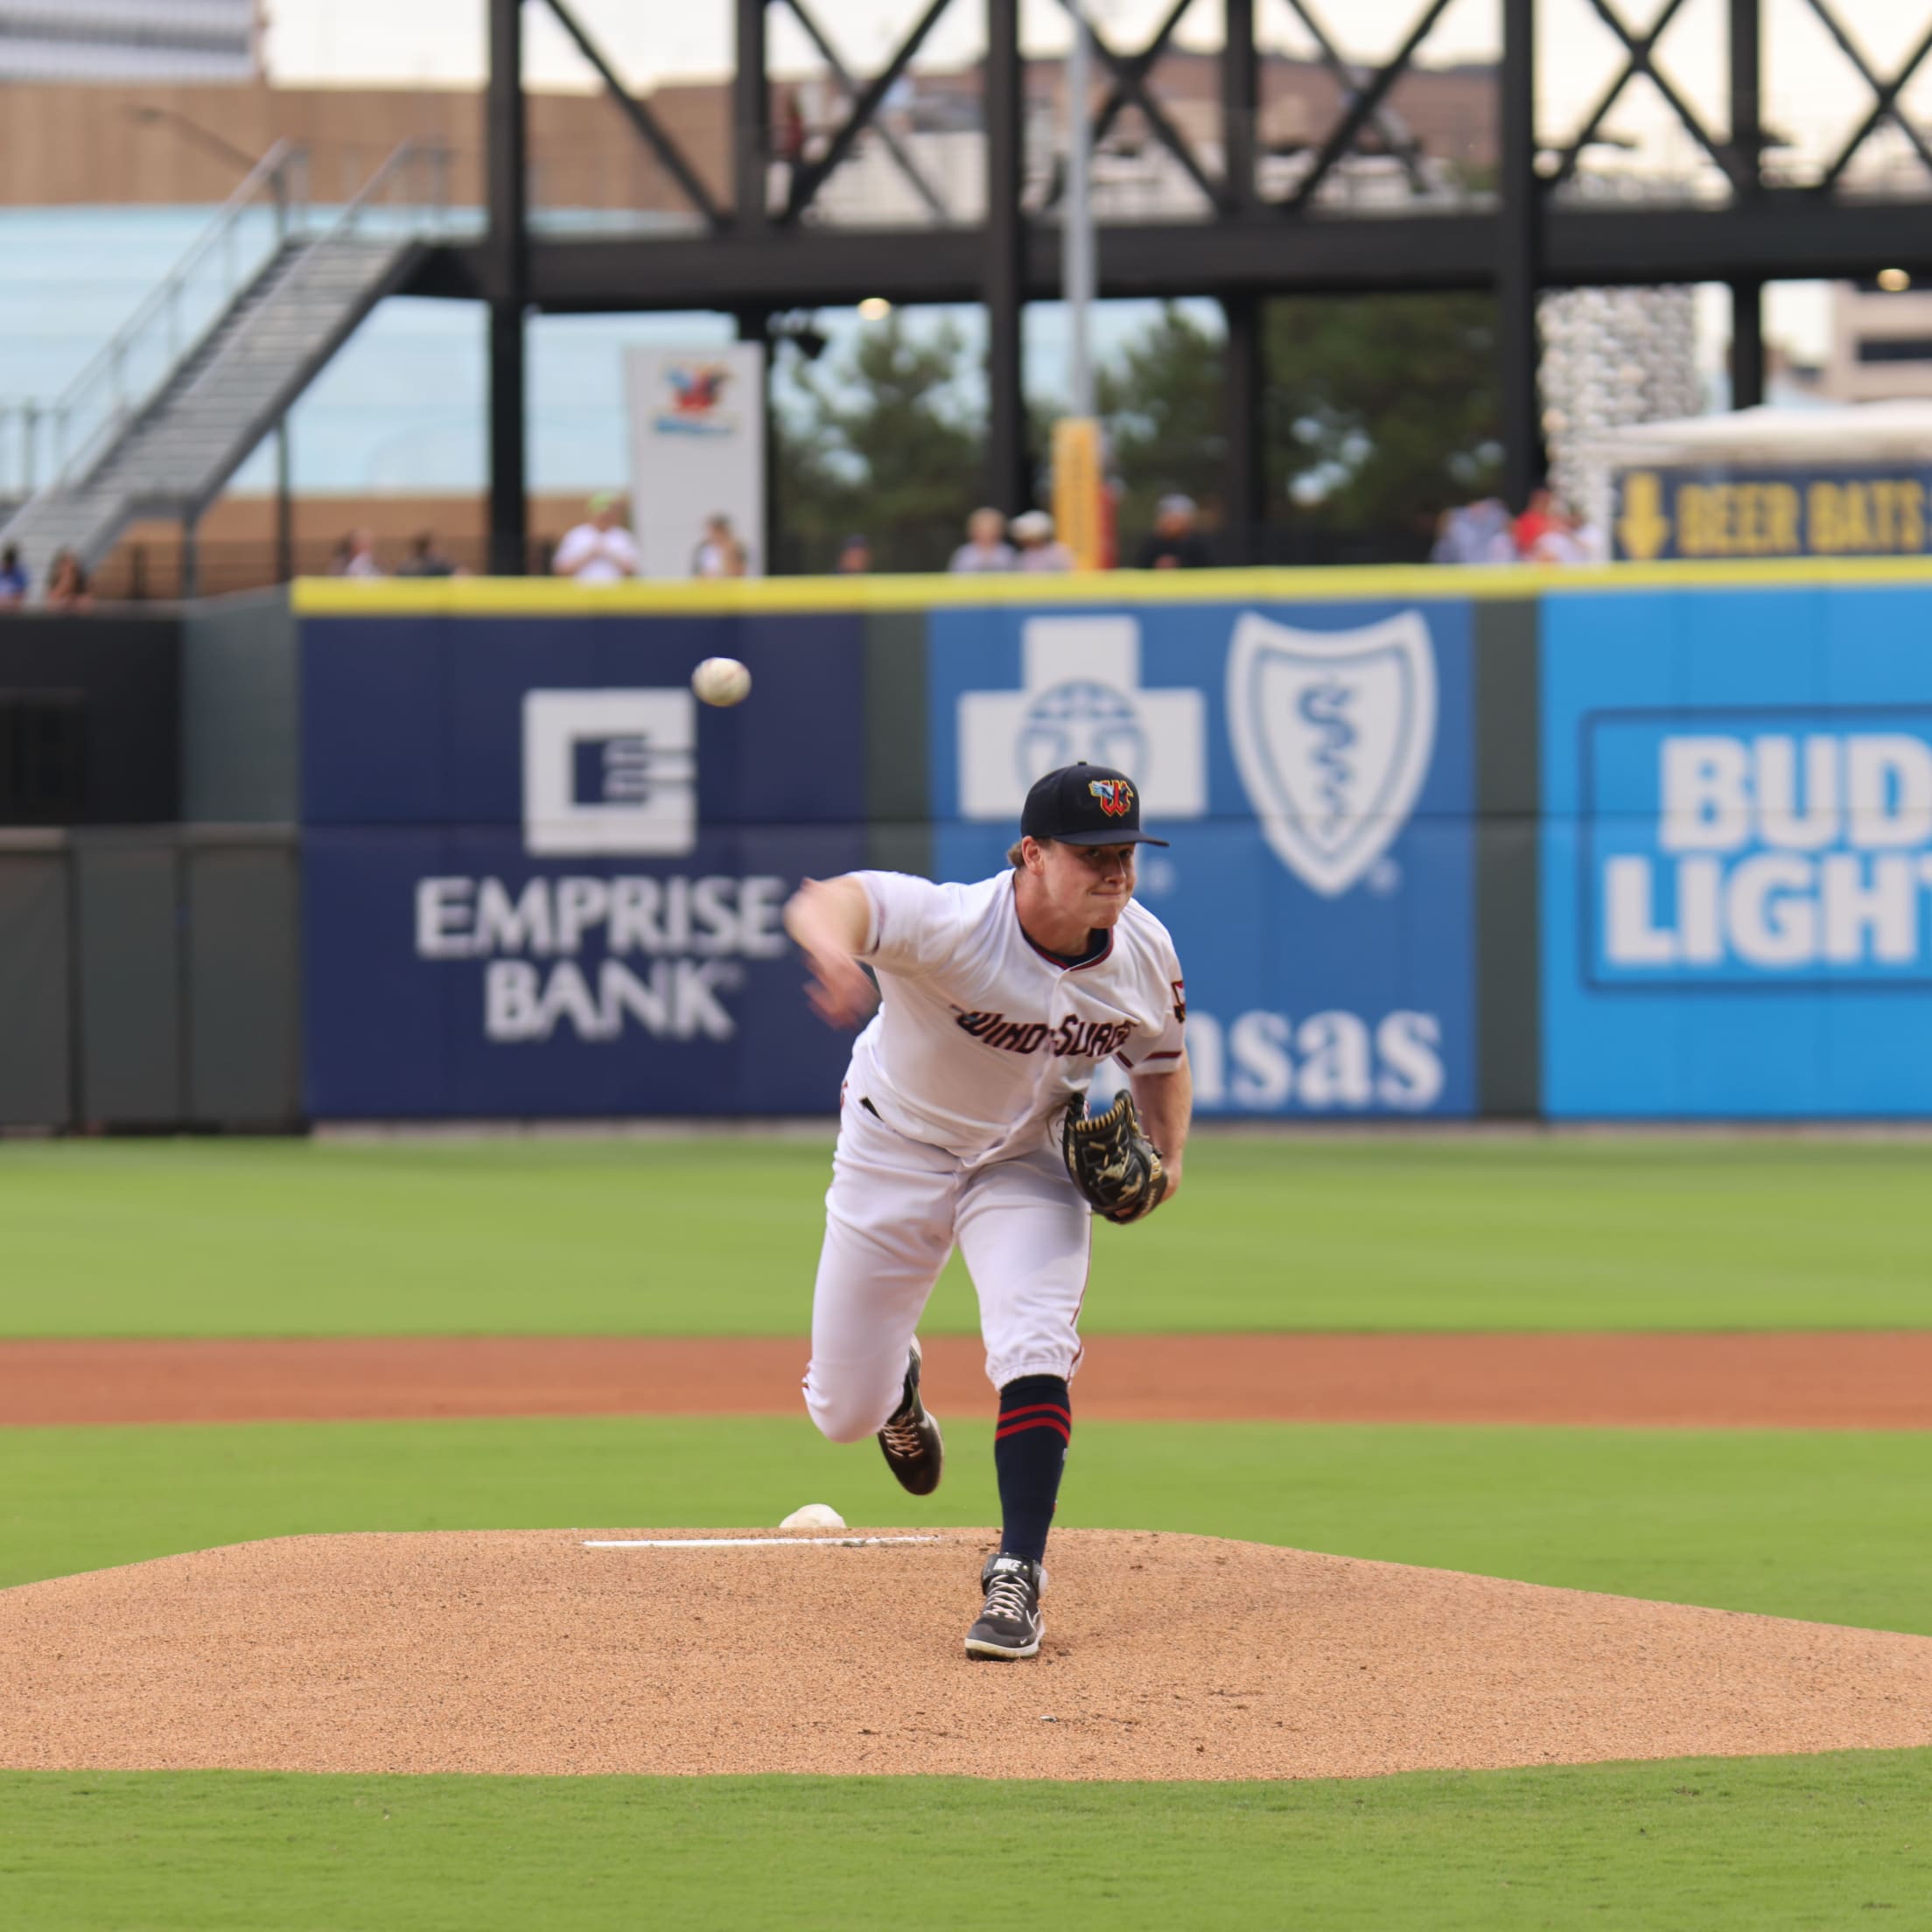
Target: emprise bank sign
[
  {"x": 541, "y": 880},
  {"x": 1737, "y": 852},
  {"x": 1312, "y": 765}
]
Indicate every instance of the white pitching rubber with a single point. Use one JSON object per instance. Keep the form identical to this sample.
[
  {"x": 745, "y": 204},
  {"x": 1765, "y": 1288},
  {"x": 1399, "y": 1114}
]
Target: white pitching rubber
[{"x": 758, "y": 1543}]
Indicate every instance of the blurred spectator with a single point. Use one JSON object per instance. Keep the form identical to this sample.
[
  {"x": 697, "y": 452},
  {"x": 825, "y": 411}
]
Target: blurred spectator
[
  {"x": 67, "y": 584},
  {"x": 1537, "y": 519},
  {"x": 718, "y": 552},
  {"x": 425, "y": 558},
  {"x": 600, "y": 549},
  {"x": 1174, "y": 543},
  {"x": 1568, "y": 539},
  {"x": 986, "y": 548},
  {"x": 355, "y": 557},
  {"x": 1477, "y": 533},
  {"x": 895, "y": 110},
  {"x": 1039, "y": 548},
  {"x": 13, "y": 579},
  {"x": 789, "y": 129},
  {"x": 854, "y": 556}
]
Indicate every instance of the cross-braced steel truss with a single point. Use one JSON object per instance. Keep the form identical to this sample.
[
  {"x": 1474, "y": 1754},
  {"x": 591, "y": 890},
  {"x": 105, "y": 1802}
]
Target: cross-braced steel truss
[{"x": 1249, "y": 216}]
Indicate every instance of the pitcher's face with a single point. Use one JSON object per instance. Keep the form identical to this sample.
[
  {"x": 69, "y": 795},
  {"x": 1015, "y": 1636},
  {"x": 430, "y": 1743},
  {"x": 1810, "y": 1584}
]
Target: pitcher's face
[{"x": 1089, "y": 882}]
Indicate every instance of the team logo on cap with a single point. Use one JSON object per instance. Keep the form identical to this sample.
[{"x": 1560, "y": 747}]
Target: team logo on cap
[{"x": 1116, "y": 795}]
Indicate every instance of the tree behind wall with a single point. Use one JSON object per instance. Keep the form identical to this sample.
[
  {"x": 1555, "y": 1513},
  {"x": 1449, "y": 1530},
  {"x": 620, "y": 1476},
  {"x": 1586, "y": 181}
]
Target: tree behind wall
[
  {"x": 880, "y": 444},
  {"x": 1381, "y": 413}
]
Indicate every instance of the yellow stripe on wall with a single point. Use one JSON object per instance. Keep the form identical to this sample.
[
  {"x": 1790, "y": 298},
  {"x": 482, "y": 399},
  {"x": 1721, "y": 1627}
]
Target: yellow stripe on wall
[{"x": 556, "y": 597}]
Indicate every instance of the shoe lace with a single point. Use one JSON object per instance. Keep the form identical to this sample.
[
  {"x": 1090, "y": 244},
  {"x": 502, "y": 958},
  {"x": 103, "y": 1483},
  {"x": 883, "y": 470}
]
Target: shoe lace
[
  {"x": 1006, "y": 1595},
  {"x": 902, "y": 1434}
]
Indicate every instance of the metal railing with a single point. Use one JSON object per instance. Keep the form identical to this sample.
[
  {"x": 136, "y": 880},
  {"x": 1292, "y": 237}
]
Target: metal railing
[
  {"x": 48, "y": 446},
  {"x": 267, "y": 206}
]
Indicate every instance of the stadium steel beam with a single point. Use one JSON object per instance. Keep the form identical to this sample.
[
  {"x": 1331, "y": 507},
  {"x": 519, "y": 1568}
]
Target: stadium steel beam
[
  {"x": 1130, "y": 81},
  {"x": 902, "y": 156},
  {"x": 750, "y": 115},
  {"x": 1401, "y": 143},
  {"x": 1519, "y": 264},
  {"x": 1636, "y": 50},
  {"x": 1005, "y": 263},
  {"x": 506, "y": 280},
  {"x": 1240, "y": 102},
  {"x": 1243, "y": 407},
  {"x": 1528, "y": 238},
  {"x": 755, "y": 325},
  {"x": 807, "y": 178},
  {"x": 1784, "y": 234},
  {"x": 1885, "y": 96},
  {"x": 1748, "y": 152},
  {"x": 1641, "y": 48},
  {"x": 1117, "y": 96},
  {"x": 1368, "y": 103},
  {"x": 1244, "y": 378},
  {"x": 669, "y": 157}
]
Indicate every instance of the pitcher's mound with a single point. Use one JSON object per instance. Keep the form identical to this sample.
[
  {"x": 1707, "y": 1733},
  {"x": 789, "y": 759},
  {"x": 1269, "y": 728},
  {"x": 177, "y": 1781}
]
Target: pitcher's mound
[{"x": 1165, "y": 1656}]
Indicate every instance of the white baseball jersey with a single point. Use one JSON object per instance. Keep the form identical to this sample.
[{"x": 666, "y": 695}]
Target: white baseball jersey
[{"x": 982, "y": 1037}]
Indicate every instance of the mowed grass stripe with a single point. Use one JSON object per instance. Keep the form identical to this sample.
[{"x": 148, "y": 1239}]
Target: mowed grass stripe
[
  {"x": 1826, "y": 1526},
  {"x": 720, "y": 1236},
  {"x": 1726, "y": 1845}
]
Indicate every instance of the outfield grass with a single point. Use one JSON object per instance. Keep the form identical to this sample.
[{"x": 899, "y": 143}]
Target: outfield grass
[
  {"x": 1831, "y": 1527},
  {"x": 1726, "y": 1845},
  {"x": 720, "y": 1236}
]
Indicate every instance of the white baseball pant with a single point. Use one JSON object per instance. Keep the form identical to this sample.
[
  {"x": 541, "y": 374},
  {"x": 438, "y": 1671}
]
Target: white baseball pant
[{"x": 894, "y": 1210}]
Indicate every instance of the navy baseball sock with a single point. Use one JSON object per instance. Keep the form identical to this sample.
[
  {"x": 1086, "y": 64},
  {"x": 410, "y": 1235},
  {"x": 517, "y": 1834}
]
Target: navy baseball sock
[{"x": 1036, "y": 1423}]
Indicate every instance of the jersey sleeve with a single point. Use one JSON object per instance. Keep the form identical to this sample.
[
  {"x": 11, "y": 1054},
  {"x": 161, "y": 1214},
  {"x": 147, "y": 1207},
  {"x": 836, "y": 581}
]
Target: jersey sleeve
[
  {"x": 915, "y": 925},
  {"x": 1164, "y": 1053}
]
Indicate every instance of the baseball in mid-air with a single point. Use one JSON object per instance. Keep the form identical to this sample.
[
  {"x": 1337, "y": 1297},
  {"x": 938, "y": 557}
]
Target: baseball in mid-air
[
  {"x": 813, "y": 1516},
  {"x": 722, "y": 681}
]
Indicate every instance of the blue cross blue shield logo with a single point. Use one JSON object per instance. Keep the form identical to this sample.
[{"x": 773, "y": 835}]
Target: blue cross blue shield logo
[{"x": 1333, "y": 732}]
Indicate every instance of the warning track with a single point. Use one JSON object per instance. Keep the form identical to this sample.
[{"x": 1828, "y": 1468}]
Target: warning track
[{"x": 1862, "y": 1380}]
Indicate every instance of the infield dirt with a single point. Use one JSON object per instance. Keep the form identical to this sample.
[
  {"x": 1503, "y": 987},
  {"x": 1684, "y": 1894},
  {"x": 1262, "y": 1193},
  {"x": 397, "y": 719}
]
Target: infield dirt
[
  {"x": 1828, "y": 1380},
  {"x": 1166, "y": 1656}
]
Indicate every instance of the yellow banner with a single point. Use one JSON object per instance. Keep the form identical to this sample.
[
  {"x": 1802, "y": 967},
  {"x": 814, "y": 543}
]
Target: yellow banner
[
  {"x": 1077, "y": 485},
  {"x": 1664, "y": 514}
]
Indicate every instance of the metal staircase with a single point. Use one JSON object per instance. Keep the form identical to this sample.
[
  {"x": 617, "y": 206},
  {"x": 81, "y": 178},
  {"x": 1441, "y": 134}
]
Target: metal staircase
[{"x": 214, "y": 357}]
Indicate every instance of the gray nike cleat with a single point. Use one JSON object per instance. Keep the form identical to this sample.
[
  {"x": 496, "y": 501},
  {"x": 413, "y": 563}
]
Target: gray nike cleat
[{"x": 1010, "y": 1624}]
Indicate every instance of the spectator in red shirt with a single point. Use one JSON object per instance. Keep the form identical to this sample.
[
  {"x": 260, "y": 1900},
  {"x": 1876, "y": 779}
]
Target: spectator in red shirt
[{"x": 1535, "y": 522}]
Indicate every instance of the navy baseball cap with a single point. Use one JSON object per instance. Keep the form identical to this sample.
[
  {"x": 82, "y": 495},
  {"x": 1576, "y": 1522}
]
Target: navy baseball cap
[{"x": 1085, "y": 805}]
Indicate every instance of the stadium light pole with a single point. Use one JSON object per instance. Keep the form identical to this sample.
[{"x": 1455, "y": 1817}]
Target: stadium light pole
[
  {"x": 1077, "y": 467},
  {"x": 1076, "y": 231}
]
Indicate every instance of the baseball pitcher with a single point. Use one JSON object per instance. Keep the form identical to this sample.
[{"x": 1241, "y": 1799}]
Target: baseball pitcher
[{"x": 963, "y": 1120}]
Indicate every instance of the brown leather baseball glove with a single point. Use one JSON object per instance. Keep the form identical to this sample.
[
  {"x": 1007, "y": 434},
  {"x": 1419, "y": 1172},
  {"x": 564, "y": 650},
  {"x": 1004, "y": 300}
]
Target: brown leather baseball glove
[{"x": 1113, "y": 1163}]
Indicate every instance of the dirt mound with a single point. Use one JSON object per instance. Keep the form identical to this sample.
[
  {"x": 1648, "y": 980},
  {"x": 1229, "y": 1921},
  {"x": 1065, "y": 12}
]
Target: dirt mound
[{"x": 1166, "y": 1656}]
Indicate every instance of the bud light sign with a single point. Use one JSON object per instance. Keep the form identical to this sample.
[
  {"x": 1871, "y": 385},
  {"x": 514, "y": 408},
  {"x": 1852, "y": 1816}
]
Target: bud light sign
[
  {"x": 1727, "y": 850},
  {"x": 1738, "y": 872}
]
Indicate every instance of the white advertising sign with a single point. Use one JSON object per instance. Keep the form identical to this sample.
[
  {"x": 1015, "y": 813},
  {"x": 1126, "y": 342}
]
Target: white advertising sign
[{"x": 697, "y": 450}]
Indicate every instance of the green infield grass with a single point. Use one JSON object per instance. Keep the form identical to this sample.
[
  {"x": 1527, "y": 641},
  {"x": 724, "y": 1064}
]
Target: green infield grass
[
  {"x": 1828, "y": 1526},
  {"x": 720, "y": 1236},
  {"x": 1725, "y": 1845}
]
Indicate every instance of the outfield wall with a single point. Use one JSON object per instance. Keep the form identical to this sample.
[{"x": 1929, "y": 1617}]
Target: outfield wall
[{"x": 1637, "y": 844}]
